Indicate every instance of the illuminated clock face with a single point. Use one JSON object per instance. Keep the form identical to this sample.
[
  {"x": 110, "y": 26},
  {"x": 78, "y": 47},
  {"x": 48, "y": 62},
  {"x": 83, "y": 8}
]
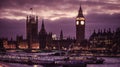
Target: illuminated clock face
[
  {"x": 82, "y": 22},
  {"x": 77, "y": 22}
]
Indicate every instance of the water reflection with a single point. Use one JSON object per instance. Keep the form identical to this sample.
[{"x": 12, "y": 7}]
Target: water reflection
[
  {"x": 103, "y": 65},
  {"x": 109, "y": 62},
  {"x": 35, "y": 66}
]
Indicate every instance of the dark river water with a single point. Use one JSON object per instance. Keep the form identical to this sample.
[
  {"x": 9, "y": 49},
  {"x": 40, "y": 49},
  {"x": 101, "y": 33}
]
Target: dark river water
[{"x": 109, "y": 62}]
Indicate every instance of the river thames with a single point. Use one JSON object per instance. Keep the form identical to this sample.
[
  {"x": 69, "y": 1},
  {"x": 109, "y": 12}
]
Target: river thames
[{"x": 109, "y": 62}]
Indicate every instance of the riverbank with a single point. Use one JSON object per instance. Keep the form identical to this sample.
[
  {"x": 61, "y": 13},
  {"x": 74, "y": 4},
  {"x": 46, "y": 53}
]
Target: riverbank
[
  {"x": 103, "y": 55},
  {"x": 100, "y": 55}
]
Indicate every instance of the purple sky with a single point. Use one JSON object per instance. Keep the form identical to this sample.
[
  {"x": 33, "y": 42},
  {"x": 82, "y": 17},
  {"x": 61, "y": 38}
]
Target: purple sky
[{"x": 58, "y": 14}]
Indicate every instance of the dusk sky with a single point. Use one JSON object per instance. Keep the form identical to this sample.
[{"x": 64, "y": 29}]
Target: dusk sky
[{"x": 58, "y": 14}]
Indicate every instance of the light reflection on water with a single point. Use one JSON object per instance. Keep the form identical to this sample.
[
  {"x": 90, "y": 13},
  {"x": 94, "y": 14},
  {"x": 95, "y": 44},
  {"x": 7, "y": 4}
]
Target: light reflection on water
[
  {"x": 38, "y": 66},
  {"x": 35, "y": 65},
  {"x": 109, "y": 62},
  {"x": 103, "y": 65}
]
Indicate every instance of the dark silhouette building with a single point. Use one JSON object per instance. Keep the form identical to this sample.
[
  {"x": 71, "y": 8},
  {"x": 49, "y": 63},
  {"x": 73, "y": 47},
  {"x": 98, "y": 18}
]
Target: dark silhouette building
[
  {"x": 102, "y": 39},
  {"x": 46, "y": 41},
  {"x": 106, "y": 39},
  {"x": 116, "y": 41},
  {"x": 61, "y": 35},
  {"x": 62, "y": 43},
  {"x": 42, "y": 36},
  {"x": 2, "y": 49},
  {"x": 32, "y": 29},
  {"x": 80, "y": 26},
  {"x": 43, "y": 40}
]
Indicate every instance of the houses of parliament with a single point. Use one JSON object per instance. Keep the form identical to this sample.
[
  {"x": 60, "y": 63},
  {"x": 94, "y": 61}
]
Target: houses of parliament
[{"x": 44, "y": 40}]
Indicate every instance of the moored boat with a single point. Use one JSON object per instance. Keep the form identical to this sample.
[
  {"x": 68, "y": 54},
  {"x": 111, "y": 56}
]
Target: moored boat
[
  {"x": 71, "y": 63},
  {"x": 94, "y": 60}
]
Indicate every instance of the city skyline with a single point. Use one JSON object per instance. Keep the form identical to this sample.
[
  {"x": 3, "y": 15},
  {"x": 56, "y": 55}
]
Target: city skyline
[{"x": 58, "y": 15}]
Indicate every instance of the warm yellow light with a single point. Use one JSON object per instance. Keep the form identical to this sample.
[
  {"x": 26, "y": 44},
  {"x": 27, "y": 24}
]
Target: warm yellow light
[
  {"x": 77, "y": 22},
  {"x": 77, "y": 18},
  {"x": 82, "y": 22},
  {"x": 35, "y": 66},
  {"x": 54, "y": 36},
  {"x": 80, "y": 18}
]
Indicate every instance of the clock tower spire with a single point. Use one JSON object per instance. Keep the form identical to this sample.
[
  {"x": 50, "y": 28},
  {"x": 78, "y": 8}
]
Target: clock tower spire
[
  {"x": 80, "y": 26},
  {"x": 80, "y": 13}
]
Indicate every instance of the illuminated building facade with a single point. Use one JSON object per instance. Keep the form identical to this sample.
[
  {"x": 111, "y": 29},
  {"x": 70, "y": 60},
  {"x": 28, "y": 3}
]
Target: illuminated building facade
[
  {"x": 21, "y": 43},
  {"x": 2, "y": 49},
  {"x": 106, "y": 39},
  {"x": 116, "y": 41},
  {"x": 44, "y": 40},
  {"x": 102, "y": 38}
]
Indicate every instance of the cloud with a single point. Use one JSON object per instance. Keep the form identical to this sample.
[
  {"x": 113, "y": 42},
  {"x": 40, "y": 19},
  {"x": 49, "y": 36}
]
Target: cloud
[
  {"x": 58, "y": 14},
  {"x": 48, "y": 8}
]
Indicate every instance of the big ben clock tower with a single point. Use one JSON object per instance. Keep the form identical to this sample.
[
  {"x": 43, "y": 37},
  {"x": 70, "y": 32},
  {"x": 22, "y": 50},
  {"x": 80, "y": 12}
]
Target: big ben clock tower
[{"x": 80, "y": 26}]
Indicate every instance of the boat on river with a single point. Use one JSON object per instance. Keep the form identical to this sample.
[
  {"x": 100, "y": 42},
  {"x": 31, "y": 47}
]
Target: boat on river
[
  {"x": 71, "y": 63},
  {"x": 93, "y": 60}
]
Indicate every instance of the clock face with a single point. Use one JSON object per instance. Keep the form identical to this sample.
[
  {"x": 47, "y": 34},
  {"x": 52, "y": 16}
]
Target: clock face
[
  {"x": 82, "y": 22},
  {"x": 77, "y": 22}
]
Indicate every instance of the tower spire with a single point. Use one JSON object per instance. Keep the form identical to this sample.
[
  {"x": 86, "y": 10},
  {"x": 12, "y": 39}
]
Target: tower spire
[
  {"x": 61, "y": 35},
  {"x": 43, "y": 28},
  {"x": 31, "y": 11},
  {"x": 94, "y": 31},
  {"x": 80, "y": 13},
  {"x": 43, "y": 24}
]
